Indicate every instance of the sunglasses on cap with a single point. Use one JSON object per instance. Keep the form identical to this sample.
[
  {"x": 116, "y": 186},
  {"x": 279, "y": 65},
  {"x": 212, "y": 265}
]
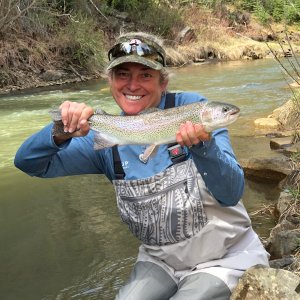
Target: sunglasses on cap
[{"x": 136, "y": 47}]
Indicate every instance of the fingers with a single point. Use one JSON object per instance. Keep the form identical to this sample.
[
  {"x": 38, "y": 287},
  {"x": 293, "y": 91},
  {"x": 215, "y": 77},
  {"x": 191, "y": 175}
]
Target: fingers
[
  {"x": 74, "y": 117},
  {"x": 190, "y": 134}
]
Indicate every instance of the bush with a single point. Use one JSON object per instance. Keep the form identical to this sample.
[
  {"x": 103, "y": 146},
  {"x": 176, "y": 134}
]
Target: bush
[
  {"x": 262, "y": 15},
  {"x": 82, "y": 43},
  {"x": 150, "y": 16}
]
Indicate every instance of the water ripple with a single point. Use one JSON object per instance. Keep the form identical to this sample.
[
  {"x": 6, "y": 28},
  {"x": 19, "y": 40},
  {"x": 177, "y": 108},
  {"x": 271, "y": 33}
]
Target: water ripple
[{"x": 103, "y": 282}]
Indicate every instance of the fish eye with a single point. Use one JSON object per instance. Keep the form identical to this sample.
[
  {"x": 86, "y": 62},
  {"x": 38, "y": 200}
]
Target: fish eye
[{"x": 225, "y": 109}]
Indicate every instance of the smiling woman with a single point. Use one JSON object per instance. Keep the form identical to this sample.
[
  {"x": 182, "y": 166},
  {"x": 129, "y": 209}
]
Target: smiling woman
[{"x": 173, "y": 206}]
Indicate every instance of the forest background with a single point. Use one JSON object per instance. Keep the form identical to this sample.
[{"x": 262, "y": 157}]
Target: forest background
[{"x": 46, "y": 42}]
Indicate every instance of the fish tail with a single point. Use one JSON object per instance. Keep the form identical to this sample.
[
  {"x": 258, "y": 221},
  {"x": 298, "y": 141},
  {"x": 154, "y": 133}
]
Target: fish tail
[
  {"x": 55, "y": 114},
  {"x": 58, "y": 126}
]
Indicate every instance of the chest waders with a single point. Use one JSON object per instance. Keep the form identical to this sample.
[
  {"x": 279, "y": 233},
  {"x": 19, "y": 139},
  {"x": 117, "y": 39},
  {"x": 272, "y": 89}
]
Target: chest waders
[{"x": 165, "y": 208}]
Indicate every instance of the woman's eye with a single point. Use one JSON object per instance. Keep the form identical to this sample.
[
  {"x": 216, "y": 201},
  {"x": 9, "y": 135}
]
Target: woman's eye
[
  {"x": 122, "y": 74},
  {"x": 146, "y": 75}
]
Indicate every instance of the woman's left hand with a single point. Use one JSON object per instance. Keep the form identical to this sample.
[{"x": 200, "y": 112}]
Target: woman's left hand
[{"x": 190, "y": 134}]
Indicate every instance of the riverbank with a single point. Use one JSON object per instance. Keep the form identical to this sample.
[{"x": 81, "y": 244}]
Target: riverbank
[
  {"x": 196, "y": 53},
  {"x": 31, "y": 61}
]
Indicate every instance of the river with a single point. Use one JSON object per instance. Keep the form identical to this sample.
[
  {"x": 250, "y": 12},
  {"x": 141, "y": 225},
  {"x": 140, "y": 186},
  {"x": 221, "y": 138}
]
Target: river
[{"x": 62, "y": 238}]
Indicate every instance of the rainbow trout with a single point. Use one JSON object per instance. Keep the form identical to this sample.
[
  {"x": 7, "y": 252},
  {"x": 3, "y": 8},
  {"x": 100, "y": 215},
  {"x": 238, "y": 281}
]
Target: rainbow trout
[{"x": 153, "y": 126}]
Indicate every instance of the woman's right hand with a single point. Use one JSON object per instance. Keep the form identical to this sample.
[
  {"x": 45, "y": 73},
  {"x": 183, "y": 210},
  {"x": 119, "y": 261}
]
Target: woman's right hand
[{"x": 74, "y": 117}]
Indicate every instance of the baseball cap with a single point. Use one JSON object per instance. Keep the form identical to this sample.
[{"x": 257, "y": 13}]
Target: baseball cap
[{"x": 137, "y": 49}]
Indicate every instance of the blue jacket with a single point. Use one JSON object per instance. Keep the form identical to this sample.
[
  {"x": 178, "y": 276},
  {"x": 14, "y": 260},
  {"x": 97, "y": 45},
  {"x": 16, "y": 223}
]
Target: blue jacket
[{"x": 40, "y": 156}]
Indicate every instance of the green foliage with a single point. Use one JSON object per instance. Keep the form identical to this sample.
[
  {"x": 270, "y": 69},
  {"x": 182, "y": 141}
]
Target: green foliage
[
  {"x": 278, "y": 10},
  {"x": 249, "y": 5},
  {"x": 129, "y": 5},
  {"x": 294, "y": 192},
  {"x": 262, "y": 15},
  {"x": 82, "y": 43},
  {"x": 156, "y": 20},
  {"x": 150, "y": 15}
]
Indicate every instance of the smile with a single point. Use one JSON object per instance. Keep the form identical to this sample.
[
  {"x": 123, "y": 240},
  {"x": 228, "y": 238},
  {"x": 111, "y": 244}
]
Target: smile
[{"x": 132, "y": 97}]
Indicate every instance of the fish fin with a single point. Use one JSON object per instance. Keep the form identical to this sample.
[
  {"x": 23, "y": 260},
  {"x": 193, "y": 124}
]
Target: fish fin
[
  {"x": 149, "y": 110},
  {"x": 149, "y": 152},
  {"x": 100, "y": 111},
  {"x": 101, "y": 142}
]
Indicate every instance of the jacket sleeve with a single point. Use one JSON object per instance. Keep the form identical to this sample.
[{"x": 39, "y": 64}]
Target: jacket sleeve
[
  {"x": 40, "y": 156},
  {"x": 219, "y": 168}
]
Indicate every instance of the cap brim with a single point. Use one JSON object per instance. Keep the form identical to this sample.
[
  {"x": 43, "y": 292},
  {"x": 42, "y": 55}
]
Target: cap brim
[{"x": 135, "y": 59}]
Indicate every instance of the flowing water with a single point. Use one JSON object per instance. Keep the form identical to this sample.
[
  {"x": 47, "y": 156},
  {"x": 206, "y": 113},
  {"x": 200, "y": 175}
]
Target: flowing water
[{"x": 62, "y": 238}]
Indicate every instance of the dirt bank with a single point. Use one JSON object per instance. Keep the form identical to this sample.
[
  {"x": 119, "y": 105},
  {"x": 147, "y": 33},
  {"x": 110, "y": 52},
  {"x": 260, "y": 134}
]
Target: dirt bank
[{"x": 31, "y": 62}]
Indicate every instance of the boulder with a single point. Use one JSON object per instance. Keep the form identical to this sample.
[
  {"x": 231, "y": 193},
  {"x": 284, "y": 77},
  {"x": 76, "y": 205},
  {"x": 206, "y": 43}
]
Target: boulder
[
  {"x": 292, "y": 180},
  {"x": 281, "y": 263},
  {"x": 267, "y": 123},
  {"x": 262, "y": 283},
  {"x": 52, "y": 75},
  {"x": 284, "y": 239},
  {"x": 281, "y": 142},
  {"x": 266, "y": 169},
  {"x": 285, "y": 199},
  {"x": 295, "y": 148}
]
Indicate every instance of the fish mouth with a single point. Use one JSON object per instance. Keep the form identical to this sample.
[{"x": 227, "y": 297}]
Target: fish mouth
[{"x": 236, "y": 112}]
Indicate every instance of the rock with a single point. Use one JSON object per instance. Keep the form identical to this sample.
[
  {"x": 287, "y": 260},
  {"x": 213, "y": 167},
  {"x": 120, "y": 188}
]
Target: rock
[
  {"x": 266, "y": 169},
  {"x": 199, "y": 60},
  {"x": 294, "y": 84},
  {"x": 293, "y": 149},
  {"x": 262, "y": 283},
  {"x": 284, "y": 201},
  {"x": 284, "y": 239},
  {"x": 52, "y": 75},
  {"x": 267, "y": 123},
  {"x": 280, "y": 143},
  {"x": 285, "y": 243},
  {"x": 293, "y": 179},
  {"x": 281, "y": 263},
  {"x": 288, "y": 115}
]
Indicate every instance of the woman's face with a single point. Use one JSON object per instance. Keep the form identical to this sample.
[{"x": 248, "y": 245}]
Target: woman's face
[{"x": 136, "y": 87}]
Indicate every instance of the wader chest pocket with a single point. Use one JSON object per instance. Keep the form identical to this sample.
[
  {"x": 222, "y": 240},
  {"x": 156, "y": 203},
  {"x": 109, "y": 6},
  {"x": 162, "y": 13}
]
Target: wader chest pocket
[{"x": 162, "y": 213}]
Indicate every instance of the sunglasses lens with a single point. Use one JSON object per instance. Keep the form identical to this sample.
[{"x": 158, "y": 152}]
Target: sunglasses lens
[{"x": 138, "y": 48}]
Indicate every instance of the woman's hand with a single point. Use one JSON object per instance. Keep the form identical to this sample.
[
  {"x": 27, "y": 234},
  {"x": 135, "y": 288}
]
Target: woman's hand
[
  {"x": 74, "y": 117},
  {"x": 190, "y": 134}
]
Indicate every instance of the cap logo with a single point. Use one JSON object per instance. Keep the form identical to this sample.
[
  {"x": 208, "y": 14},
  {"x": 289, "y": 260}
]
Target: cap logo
[
  {"x": 134, "y": 43},
  {"x": 149, "y": 54}
]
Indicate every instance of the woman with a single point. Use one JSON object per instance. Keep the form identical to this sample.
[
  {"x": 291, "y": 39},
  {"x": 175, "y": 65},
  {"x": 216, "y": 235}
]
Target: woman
[{"x": 186, "y": 209}]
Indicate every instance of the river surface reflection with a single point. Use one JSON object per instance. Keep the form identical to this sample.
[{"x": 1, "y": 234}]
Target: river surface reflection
[{"x": 62, "y": 238}]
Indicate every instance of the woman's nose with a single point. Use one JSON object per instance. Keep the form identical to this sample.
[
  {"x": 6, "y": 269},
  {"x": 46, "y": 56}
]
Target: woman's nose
[{"x": 133, "y": 84}]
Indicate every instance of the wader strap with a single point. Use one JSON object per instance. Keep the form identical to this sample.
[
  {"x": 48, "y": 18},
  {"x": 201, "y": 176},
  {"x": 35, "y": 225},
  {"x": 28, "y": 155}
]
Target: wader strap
[
  {"x": 118, "y": 169},
  {"x": 170, "y": 100},
  {"x": 176, "y": 152}
]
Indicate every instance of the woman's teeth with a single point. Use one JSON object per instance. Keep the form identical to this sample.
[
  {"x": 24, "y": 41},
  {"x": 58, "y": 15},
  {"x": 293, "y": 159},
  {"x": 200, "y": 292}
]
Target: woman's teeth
[{"x": 131, "y": 97}]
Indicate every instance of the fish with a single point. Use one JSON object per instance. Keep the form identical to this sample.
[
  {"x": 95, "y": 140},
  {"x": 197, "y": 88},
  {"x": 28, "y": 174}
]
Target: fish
[{"x": 153, "y": 126}]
